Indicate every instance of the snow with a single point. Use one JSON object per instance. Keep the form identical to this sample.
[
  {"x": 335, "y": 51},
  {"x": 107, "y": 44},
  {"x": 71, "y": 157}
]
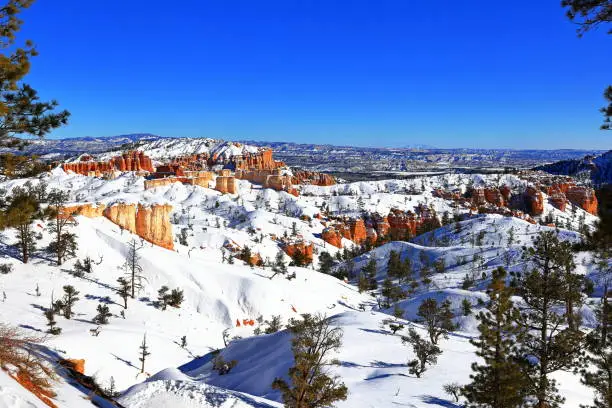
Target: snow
[{"x": 373, "y": 361}]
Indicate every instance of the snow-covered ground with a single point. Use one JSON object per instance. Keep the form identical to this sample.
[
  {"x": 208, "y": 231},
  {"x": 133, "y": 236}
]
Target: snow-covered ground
[{"x": 373, "y": 361}]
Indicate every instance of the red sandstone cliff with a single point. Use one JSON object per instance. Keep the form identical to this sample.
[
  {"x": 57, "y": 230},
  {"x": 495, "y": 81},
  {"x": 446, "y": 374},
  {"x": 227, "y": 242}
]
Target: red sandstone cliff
[
  {"x": 313, "y": 178},
  {"x": 130, "y": 161}
]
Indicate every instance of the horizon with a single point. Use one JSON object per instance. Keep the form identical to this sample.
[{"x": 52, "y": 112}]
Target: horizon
[
  {"x": 263, "y": 141},
  {"x": 365, "y": 75}
]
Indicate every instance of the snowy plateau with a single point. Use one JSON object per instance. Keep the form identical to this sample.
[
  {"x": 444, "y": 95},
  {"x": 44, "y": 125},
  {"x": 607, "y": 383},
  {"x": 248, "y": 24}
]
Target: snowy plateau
[{"x": 226, "y": 304}]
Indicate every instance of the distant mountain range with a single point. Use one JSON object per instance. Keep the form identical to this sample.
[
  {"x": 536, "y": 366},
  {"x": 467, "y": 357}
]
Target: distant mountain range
[
  {"x": 597, "y": 168},
  {"x": 338, "y": 159}
]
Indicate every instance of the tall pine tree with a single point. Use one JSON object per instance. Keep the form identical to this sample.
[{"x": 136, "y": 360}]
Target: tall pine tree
[
  {"x": 547, "y": 343},
  {"x": 499, "y": 381}
]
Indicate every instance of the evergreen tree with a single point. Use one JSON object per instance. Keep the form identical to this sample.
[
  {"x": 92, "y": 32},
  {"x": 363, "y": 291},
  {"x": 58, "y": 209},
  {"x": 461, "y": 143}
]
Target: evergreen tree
[
  {"x": 21, "y": 209},
  {"x": 53, "y": 329},
  {"x": 500, "y": 381},
  {"x": 405, "y": 270},
  {"x": 279, "y": 265},
  {"x": 438, "y": 319},
  {"x": 426, "y": 353},
  {"x": 552, "y": 346},
  {"x": 394, "y": 265},
  {"x": 326, "y": 262},
  {"x": 176, "y": 298},
  {"x": 124, "y": 290},
  {"x": 21, "y": 111},
  {"x": 599, "y": 345},
  {"x": 64, "y": 244},
  {"x": 370, "y": 273},
  {"x": 391, "y": 292},
  {"x": 70, "y": 298},
  {"x": 103, "y": 314},
  {"x": 163, "y": 297},
  {"x": 311, "y": 385}
]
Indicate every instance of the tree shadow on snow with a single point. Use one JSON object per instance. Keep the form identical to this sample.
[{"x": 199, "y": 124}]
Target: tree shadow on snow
[
  {"x": 27, "y": 326},
  {"x": 218, "y": 398},
  {"x": 375, "y": 331},
  {"x": 124, "y": 361},
  {"x": 431, "y": 400},
  {"x": 378, "y": 377}
]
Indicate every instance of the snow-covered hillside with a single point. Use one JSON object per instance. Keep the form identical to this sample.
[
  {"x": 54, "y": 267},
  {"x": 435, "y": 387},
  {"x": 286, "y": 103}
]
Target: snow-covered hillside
[
  {"x": 220, "y": 297},
  {"x": 165, "y": 148}
]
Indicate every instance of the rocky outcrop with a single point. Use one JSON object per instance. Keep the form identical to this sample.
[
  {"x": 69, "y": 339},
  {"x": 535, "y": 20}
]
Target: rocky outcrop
[
  {"x": 534, "y": 201},
  {"x": 313, "y": 178},
  {"x": 150, "y": 223},
  {"x": 291, "y": 248},
  {"x": 153, "y": 225},
  {"x": 226, "y": 185},
  {"x": 129, "y": 161},
  {"x": 268, "y": 179},
  {"x": 357, "y": 231},
  {"x": 88, "y": 210},
  {"x": 332, "y": 236},
  {"x": 261, "y": 160},
  {"x": 583, "y": 197}
]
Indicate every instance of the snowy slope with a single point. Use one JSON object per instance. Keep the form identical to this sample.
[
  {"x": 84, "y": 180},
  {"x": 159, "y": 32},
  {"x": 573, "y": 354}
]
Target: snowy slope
[
  {"x": 218, "y": 294},
  {"x": 373, "y": 365}
]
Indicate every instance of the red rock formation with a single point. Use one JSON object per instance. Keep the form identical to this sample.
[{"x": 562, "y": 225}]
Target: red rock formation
[
  {"x": 313, "y": 178},
  {"x": 150, "y": 223},
  {"x": 123, "y": 215},
  {"x": 86, "y": 210},
  {"x": 583, "y": 197},
  {"x": 332, "y": 236},
  {"x": 261, "y": 160},
  {"x": 534, "y": 201},
  {"x": 357, "y": 231},
  {"x": 130, "y": 161},
  {"x": 558, "y": 200},
  {"x": 495, "y": 197},
  {"x": 279, "y": 183},
  {"x": 306, "y": 249},
  {"x": 153, "y": 225},
  {"x": 402, "y": 225},
  {"x": 226, "y": 185}
]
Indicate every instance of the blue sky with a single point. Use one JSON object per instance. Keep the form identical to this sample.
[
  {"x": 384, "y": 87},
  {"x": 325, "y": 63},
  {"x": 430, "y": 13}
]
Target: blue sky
[{"x": 372, "y": 73}]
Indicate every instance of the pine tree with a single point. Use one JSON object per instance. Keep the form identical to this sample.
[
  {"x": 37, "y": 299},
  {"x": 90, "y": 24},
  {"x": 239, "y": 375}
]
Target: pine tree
[
  {"x": 391, "y": 292},
  {"x": 426, "y": 353},
  {"x": 437, "y": 318},
  {"x": 405, "y": 270},
  {"x": 21, "y": 112},
  {"x": 163, "y": 297},
  {"x": 64, "y": 244},
  {"x": 466, "y": 307},
  {"x": 311, "y": 385},
  {"x": 53, "y": 329},
  {"x": 176, "y": 298},
  {"x": 144, "y": 353},
  {"x": 103, "y": 314},
  {"x": 70, "y": 298},
  {"x": 124, "y": 290},
  {"x": 22, "y": 208},
  {"x": 326, "y": 262},
  {"x": 394, "y": 265},
  {"x": 552, "y": 346},
  {"x": 370, "y": 273},
  {"x": 279, "y": 265},
  {"x": 598, "y": 375},
  {"x": 500, "y": 381}
]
